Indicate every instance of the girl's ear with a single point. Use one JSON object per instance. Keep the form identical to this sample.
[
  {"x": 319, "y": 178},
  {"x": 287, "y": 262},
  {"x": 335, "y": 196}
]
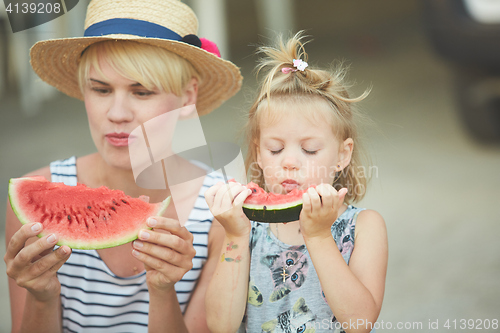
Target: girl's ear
[
  {"x": 259, "y": 160},
  {"x": 345, "y": 152}
]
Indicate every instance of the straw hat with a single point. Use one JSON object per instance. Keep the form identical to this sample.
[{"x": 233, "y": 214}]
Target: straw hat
[{"x": 163, "y": 23}]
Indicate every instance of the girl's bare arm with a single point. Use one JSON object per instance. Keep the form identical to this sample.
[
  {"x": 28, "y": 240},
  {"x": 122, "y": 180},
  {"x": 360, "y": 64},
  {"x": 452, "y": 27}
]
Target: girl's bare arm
[
  {"x": 355, "y": 292},
  {"x": 227, "y": 292}
]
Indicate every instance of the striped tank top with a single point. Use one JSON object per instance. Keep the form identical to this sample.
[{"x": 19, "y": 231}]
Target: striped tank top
[{"x": 96, "y": 300}]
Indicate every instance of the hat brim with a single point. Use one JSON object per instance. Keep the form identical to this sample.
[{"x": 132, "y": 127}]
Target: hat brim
[{"x": 56, "y": 62}]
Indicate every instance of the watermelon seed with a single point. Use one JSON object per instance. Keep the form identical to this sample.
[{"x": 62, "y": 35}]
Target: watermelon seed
[
  {"x": 115, "y": 202},
  {"x": 254, "y": 190},
  {"x": 89, "y": 207},
  {"x": 69, "y": 218},
  {"x": 113, "y": 208},
  {"x": 124, "y": 201},
  {"x": 104, "y": 218}
]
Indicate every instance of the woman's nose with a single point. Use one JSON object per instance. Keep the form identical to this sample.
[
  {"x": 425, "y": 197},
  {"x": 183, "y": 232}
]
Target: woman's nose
[{"x": 120, "y": 110}]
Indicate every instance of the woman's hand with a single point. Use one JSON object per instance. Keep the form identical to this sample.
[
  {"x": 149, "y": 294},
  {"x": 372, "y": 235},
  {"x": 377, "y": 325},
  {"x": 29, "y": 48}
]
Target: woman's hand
[
  {"x": 320, "y": 210},
  {"x": 167, "y": 252},
  {"x": 225, "y": 202},
  {"x": 34, "y": 266}
]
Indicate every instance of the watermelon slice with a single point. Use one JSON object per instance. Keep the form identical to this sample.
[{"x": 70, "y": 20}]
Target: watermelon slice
[
  {"x": 82, "y": 217},
  {"x": 266, "y": 207}
]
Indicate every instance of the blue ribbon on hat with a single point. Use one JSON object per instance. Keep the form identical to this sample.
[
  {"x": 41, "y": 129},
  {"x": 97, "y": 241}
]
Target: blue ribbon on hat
[
  {"x": 130, "y": 27},
  {"x": 137, "y": 28}
]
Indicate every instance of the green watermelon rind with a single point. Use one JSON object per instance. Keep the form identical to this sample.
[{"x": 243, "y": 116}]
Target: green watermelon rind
[
  {"x": 280, "y": 213},
  {"x": 85, "y": 245}
]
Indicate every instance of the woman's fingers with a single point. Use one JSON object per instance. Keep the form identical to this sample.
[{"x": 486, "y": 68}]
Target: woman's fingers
[
  {"x": 172, "y": 251},
  {"x": 169, "y": 226},
  {"x": 34, "y": 266},
  {"x": 39, "y": 274},
  {"x": 19, "y": 239},
  {"x": 27, "y": 255},
  {"x": 170, "y": 273},
  {"x": 51, "y": 262},
  {"x": 148, "y": 241},
  {"x": 168, "y": 241},
  {"x": 167, "y": 249}
]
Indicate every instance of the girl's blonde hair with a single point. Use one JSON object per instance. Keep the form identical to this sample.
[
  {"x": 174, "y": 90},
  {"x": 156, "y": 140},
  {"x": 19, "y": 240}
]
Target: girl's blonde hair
[
  {"x": 313, "y": 85},
  {"x": 151, "y": 66}
]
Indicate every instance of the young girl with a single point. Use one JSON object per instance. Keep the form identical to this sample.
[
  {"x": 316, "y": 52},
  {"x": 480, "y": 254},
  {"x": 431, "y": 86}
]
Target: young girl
[
  {"x": 138, "y": 60},
  {"x": 326, "y": 271}
]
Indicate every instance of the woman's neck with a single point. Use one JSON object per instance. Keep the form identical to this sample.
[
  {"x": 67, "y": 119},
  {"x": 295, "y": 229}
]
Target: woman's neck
[{"x": 94, "y": 172}]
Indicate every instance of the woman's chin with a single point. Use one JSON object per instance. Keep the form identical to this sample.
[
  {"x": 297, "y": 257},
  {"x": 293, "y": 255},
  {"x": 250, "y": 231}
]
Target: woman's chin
[{"x": 118, "y": 160}]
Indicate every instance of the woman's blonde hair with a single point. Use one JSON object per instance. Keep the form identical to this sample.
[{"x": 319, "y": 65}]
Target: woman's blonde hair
[
  {"x": 151, "y": 66},
  {"x": 312, "y": 85}
]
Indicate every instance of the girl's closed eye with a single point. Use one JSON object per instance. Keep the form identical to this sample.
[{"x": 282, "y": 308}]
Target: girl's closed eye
[
  {"x": 275, "y": 151},
  {"x": 310, "y": 151}
]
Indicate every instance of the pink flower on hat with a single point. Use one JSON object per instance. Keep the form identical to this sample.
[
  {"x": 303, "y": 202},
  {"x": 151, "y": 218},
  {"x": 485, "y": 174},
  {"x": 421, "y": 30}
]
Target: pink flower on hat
[{"x": 210, "y": 46}]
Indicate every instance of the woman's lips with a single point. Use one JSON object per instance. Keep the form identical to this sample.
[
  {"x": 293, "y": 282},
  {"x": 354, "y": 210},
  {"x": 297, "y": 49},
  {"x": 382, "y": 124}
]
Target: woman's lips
[{"x": 118, "y": 139}]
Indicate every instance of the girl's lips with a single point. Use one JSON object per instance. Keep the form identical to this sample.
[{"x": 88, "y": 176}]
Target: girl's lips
[
  {"x": 118, "y": 139},
  {"x": 289, "y": 185}
]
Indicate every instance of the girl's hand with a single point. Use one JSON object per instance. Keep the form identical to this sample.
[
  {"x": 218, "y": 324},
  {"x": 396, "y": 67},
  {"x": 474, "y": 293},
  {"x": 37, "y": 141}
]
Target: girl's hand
[
  {"x": 34, "y": 266},
  {"x": 225, "y": 202},
  {"x": 167, "y": 252},
  {"x": 320, "y": 210}
]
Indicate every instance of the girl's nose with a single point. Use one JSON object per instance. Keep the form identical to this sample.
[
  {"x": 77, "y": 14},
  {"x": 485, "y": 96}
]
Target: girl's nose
[
  {"x": 120, "y": 110},
  {"x": 290, "y": 161}
]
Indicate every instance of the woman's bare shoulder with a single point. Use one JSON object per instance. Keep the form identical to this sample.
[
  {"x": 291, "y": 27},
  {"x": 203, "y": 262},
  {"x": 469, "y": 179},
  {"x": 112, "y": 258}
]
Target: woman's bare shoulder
[{"x": 45, "y": 172}]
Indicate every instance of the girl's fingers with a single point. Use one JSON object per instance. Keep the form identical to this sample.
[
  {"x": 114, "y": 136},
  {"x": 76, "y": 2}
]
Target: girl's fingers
[
  {"x": 210, "y": 193},
  {"x": 233, "y": 193},
  {"x": 327, "y": 194},
  {"x": 315, "y": 198},
  {"x": 306, "y": 203},
  {"x": 224, "y": 197},
  {"x": 241, "y": 197},
  {"x": 342, "y": 193}
]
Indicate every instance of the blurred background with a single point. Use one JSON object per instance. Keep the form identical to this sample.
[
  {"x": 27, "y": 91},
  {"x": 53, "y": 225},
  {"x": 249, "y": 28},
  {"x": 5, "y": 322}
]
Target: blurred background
[{"x": 433, "y": 72}]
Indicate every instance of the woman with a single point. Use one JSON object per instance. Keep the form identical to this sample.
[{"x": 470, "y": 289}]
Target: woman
[{"x": 137, "y": 60}]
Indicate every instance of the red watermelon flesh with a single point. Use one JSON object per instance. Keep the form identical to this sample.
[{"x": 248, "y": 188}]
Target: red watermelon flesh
[
  {"x": 260, "y": 197},
  {"x": 82, "y": 217}
]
